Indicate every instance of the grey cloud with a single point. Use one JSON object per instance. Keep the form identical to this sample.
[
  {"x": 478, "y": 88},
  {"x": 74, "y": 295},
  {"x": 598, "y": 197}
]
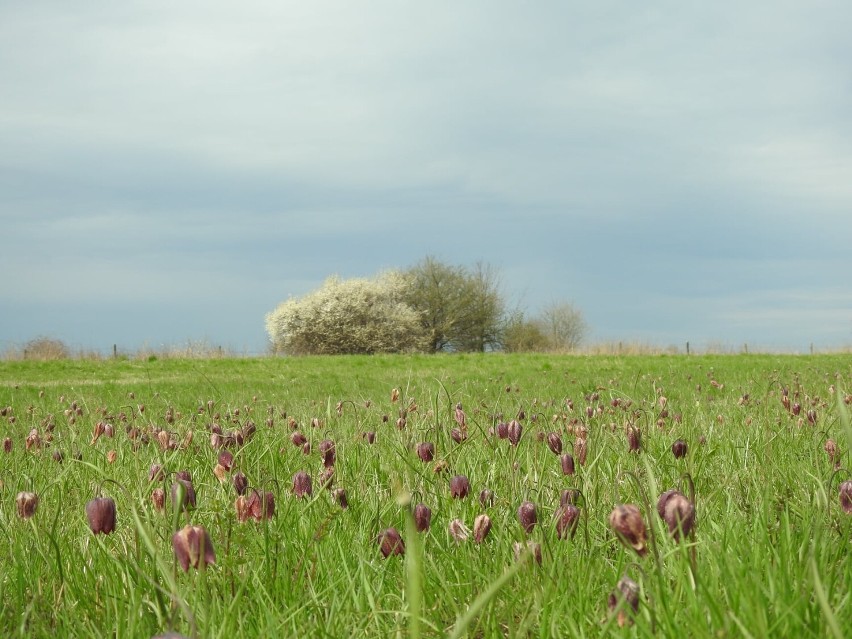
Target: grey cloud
[{"x": 665, "y": 159}]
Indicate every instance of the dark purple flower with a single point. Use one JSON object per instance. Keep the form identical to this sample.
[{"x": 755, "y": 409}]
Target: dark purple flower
[
  {"x": 422, "y": 517},
  {"x": 101, "y": 514},
  {"x": 567, "y": 461},
  {"x": 459, "y": 487},
  {"x": 554, "y": 443},
  {"x": 679, "y": 449},
  {"x": 527, "y": 516},
  {"x": 626, "y": 521},
  {"x": 390, "y": 542},
  {"x": 567, "y": 518},
  {"x": 678, "y": 513},
  {"x": 302, "y": 484},
  {"x": 426, "y": 451}
]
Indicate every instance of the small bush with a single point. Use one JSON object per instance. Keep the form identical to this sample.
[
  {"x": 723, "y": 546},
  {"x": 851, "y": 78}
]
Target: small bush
[
  {"x": 354, "y": 316},
  {"x": 46, "y": 348}
]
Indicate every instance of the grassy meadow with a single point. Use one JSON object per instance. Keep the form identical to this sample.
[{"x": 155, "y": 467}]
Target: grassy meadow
[{"x": 768, "y": 554}]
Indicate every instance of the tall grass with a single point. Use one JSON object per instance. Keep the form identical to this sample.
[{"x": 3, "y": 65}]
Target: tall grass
[{"x": 770, "y": 555}]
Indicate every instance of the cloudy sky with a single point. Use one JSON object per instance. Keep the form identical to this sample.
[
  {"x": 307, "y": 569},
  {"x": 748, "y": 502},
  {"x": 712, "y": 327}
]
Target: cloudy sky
[{"x": 170, "y": 171}]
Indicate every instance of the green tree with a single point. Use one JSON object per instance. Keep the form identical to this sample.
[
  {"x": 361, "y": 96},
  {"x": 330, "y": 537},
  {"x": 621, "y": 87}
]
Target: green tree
[
  {"x": 524, "y": 335},
  {"x": 460, "y": 309}
]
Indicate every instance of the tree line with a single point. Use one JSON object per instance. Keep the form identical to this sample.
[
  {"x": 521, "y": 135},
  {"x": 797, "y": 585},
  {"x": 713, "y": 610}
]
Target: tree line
[{"x": 429, "y": 307}]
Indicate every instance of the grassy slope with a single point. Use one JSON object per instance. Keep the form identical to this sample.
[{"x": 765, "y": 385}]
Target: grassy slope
[{"x": 772, "y": 545}]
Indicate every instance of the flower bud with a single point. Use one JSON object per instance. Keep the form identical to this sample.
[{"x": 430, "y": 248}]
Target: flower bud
[
  {"x": 7, "y": 445},
  {"x": 193, "y": 547},
  {"x": 158, "y": 498},
  {"x": 458, "y": 435},
  {"x": 163, "y": 439},
  {"x": 626, "y": 521},
  {"x": 27, "y": 504},
  {"x": 481, "y": 528},
  {"x": 634, "y": 440},
  {"x": 459, "y": 487},
  {"x": 297, "y": 438},
  {"x": 458, "y": 530},
  {"x": 422, "y": 517},
  {"x": 327, "y": 452},
  {"x": 390, "y": 542},
  {"x": 581, "y": 449},
  {"x": 846, "y": 496},
  {"x": 240, "y": 483},
  {"x": 33, "y": 440},
  {"x": 97, "y": 431},
  {"x": 527, "y": 516},
  {"x": 257, "y": 504},
  {"x": 624, "y": 599},
  {"x": 426, "y": 451},
  {"x": 155, "y": 473},
  {"x": 502, "y": 430},
  {"x": 302, "y": 484},
  {"x": 514, "y": 432},
  {"x": 226, "y": 460},
  {"x": 678, "y": 513},
  {"x": 241, "y": 506},
  {"x": 460, "y": 418},
  {"x": 326, "y": 478},
  {"x": 486, "y": 498},
  {"x": 567, "y": 462},
  {"x": 101, "y": 514},
  {"x": 567, "y": 518},
  {"x": 679, "y": 449},
  {"x": 370, "y": 436},
  {"x": 568, "y": 496},
  {"x": 831, "y": 450},
  {"x": 554, "y": 443},
  {"x": 183, "y": 494}
]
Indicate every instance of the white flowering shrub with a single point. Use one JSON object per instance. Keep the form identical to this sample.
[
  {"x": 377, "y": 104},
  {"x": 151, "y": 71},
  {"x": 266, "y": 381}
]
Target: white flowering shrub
[{"x": 347, "y": 317}]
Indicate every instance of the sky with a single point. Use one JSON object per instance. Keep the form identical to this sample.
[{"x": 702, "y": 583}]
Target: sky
[{"x": 679, "y": 171}]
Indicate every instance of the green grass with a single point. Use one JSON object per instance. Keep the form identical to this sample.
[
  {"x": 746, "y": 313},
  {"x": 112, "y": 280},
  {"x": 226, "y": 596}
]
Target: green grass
[{"x": 771, "y": 549}]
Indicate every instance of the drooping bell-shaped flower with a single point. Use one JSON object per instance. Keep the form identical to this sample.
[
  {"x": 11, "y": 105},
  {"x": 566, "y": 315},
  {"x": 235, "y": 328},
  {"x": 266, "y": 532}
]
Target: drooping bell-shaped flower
[
  {"x": 678, "y": 513},
  {"x": 390, "y": 542},
  {"x": 626, "y": 521},
  {"x": 101, "y": 515},
  {"x": 193, "y": 547},
  {"x": 527, "y": 516}
]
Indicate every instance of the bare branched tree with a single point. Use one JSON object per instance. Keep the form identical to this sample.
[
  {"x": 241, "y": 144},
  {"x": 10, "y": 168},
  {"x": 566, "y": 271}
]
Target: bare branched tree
[{"x": 564, "y": 325}]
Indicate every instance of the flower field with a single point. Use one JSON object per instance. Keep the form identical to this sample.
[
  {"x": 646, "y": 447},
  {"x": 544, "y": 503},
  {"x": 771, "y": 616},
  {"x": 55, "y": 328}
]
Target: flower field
[{"x": 427, "y": 496}]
